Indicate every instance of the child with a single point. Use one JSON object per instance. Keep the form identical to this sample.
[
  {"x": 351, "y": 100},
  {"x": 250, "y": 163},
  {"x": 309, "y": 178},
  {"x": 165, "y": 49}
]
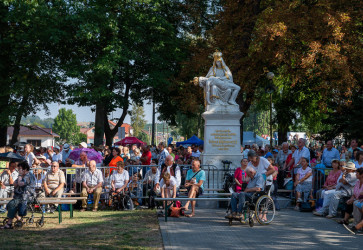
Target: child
[{"x": 168, "y": 186}]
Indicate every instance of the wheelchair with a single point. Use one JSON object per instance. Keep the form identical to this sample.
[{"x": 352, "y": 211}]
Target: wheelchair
[
  {"x": 260, "y": 207},
  {"x": 121, "y": 201}
]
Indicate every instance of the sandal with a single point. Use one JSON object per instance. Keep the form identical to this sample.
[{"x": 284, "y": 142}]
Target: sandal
[{"x": 7, "y": 226}]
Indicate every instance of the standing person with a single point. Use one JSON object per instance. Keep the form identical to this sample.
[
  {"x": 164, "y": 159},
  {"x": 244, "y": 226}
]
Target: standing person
[
  {"x": 240, "y": 176},
  {"x": 196, "y": 153},
  {"x": 57, "y": 156},
  {"x": 115, "y": 159},
  {"x": 146, "y": 155},
  {"x": 163, "y": 153},
  {"x": 261, "y": 165},
  {"x": 329, "y": 154},
  {"x": 344, "y": 154},
  {"x": 29, "y": 155},
  {"x": 188, "y": 154},
  {"x": 92, "y": 184},
  {"x": 353, "y": 146},
  {"x": 83, "y": 162},
  {"x": 23, "y": 188},
  {"x": 359, "y": 160},
  {"x": 303, "y": 182},
  {"x": 267, "y": 151},
  {"x": 65, "y": 154},
  {"x": 274, "y": 187},
  {"x": 281, "y": 161},
  {"x": 49, "y": 153},
  {"x": 300, "y": 152},
  {"x": 194, "y": 184}
]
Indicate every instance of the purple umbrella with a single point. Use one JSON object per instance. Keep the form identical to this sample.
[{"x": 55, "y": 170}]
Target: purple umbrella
[{"x": 91, "y": 154}]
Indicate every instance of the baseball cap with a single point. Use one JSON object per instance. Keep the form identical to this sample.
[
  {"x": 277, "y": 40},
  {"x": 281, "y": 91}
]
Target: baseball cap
[
  {"x": 66, "y": 146},
  {"x": 275, "y": 151}
]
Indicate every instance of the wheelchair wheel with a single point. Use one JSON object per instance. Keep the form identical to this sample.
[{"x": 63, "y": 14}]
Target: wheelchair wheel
[
  {"x": 40, "y": 223},
  {"x": 265, "y": 210},
  {"x": 127, "y": 203},
  {"x": 5, "y": 221}
]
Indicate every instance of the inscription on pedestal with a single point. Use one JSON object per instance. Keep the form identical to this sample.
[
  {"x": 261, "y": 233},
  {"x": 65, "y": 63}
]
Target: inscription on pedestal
[{"x": 222, "y": 139}]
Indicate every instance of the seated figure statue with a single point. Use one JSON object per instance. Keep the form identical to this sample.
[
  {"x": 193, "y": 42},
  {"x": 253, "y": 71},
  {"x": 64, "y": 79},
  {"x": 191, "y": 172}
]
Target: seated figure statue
[{"x": 218, "y": 84}]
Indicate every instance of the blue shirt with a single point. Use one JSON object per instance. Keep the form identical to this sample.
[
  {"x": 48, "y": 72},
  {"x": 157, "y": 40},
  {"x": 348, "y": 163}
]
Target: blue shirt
[
  {"x": 65, "y": 155},
  {"x": 200, "y": 176},
  {"x": 257, "y": 181},
  {"x": 329, "y": 155}
]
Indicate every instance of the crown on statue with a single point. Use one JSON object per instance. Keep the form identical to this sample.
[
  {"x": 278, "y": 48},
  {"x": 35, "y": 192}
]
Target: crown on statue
[{"x": 217, "y": 55}]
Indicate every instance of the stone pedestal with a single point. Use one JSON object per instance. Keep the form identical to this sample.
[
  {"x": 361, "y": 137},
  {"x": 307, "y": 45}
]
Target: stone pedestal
[{"x": 222, "y": 136}]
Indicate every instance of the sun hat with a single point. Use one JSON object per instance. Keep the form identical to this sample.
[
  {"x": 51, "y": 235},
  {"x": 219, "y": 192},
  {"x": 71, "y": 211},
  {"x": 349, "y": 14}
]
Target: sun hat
[
  {"x": 66, "y": 146},
  {"x": 350, "y": 165},
  {"x": 83, "y": 144}
]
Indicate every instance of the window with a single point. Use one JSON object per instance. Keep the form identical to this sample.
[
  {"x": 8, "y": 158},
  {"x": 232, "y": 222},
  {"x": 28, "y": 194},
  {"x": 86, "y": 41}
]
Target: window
[{"x": 35, "y": 143}]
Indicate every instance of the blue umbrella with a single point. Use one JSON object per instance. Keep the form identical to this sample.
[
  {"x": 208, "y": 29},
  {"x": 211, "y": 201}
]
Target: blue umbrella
[{"x": 10, "y": 156}]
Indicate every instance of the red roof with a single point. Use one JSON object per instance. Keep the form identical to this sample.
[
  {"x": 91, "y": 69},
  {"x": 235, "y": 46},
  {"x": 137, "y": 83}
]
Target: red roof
[{"x": 32, "y": 131}]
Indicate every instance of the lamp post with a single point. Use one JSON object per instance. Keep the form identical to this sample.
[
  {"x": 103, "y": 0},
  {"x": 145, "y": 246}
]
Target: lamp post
[{"x": 270, "y": 89}]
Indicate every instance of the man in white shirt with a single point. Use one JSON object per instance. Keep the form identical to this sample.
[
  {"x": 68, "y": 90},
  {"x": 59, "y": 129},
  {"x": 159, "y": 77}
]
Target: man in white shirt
[
  {"x": 302, "y": 151},
  {"x": 119, "y": 178},
  {"x": 92, "y": 184},
  {"x": 163, "y": 153},
  {"x": 169, "y": 167}
]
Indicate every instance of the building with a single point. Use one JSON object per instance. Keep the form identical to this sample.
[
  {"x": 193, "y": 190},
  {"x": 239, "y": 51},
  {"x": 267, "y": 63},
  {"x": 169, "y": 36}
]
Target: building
[
  {"x": 90, "y": 132},
  {"x": 35, "y": 135}
]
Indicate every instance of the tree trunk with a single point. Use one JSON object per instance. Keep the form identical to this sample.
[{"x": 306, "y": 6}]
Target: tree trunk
[
  {"x": 282, "y": 132},
  {"x": 19, "y": 114},
  {"x": 3, "y": 135},
  {"x": 99, "y": 124}
]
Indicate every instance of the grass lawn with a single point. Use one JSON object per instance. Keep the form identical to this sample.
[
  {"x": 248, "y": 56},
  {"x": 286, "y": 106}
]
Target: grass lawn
[{"x": 138, "y": 229}]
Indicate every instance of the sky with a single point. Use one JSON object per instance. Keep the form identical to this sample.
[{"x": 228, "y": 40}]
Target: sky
[{"x": 84, "y": 114}]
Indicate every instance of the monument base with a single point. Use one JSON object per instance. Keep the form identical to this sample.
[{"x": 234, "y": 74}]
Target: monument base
[{"x": 221, "y": 138}]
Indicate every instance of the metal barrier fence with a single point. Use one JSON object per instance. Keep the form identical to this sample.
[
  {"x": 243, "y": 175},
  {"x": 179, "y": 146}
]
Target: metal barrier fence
[{"x": 138, "y": 185}]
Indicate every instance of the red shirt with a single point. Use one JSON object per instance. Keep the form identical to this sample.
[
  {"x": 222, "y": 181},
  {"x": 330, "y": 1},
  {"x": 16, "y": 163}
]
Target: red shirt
[
  {"x": 242, "y": 177},
  {"x": 147, "y": 155}
]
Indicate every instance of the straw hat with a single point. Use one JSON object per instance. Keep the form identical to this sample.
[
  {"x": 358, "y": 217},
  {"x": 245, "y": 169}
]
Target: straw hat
[{"x": 350, "y": 165}]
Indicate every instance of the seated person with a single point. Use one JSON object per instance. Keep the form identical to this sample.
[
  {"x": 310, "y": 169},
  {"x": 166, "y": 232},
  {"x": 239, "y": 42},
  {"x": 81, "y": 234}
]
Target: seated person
[
  {"x": 170, "y": 167},
  {"x": 135, "y": 187},
  {"x": 343, "y": 189},
  {"x": 354, "y": 204},
  {"x": 91, "y": 184},
  {"x": 256, "y": 184},
  {"x": 168, "y": 187},
  {"x": 7, "y": 178},
  {"x": 23, "y": 188},
  {"x": 303, "y": 181},
  {"x": 106, "y": 187},
  {"x": 331, "y": 181},
  {"x": 53, "y": 183},
  {"x": 194, "y": 184},
  {"x": 119, "y": 178}
]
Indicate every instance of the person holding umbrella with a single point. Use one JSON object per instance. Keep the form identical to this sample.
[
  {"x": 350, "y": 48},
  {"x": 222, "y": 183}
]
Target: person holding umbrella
[{"x": 83, "y": 162}]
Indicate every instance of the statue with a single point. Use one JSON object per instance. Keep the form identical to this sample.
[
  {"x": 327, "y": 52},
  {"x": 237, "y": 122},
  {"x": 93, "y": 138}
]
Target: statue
[{"x": 218, "y": 84}]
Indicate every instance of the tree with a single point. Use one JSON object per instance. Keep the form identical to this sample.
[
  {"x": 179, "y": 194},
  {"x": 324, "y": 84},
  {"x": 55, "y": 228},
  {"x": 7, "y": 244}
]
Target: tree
[
  {"x": 28, "y": 71},
  {"x": 119, "y": 52},
  {"x": 65, "y": 124},
  {"x": 138, "y": 121}
]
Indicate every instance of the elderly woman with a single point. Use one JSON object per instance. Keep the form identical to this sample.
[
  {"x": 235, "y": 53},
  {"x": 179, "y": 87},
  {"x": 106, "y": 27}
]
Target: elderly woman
[
  {"x": 23, "y": 188},
  {"x": 331, "y": 181},
  {"x": 354, "y": 204},
  {"x": 119, "y": 178},
  {"x": 303, "y": 181}
]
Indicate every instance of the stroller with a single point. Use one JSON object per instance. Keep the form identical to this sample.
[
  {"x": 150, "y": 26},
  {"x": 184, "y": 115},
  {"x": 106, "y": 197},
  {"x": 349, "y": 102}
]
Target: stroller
[{"x": 33, "y": 205}]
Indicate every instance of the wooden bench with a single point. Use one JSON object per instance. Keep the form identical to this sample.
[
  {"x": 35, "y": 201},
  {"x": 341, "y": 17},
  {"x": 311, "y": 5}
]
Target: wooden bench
[{"x": 51, "y": 200}]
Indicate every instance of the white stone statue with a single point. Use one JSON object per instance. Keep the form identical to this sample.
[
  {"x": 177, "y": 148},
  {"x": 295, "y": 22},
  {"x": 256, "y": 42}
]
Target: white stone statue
[{"x": 218, "y": 85}]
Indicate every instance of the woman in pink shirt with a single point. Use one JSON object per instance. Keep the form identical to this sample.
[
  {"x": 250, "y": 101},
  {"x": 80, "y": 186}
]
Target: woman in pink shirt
[
  {"x": 354, "y": 204},
  {"x": 240, "y": 176},
  {"x": 331, "y": 181}
]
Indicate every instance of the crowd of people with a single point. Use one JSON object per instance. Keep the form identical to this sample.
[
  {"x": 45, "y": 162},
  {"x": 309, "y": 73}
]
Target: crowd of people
[{"x": 327, "y": 174}]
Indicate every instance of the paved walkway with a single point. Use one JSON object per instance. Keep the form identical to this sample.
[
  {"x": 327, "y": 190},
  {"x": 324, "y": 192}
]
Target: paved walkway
[{"x": 289, "y": 230}]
